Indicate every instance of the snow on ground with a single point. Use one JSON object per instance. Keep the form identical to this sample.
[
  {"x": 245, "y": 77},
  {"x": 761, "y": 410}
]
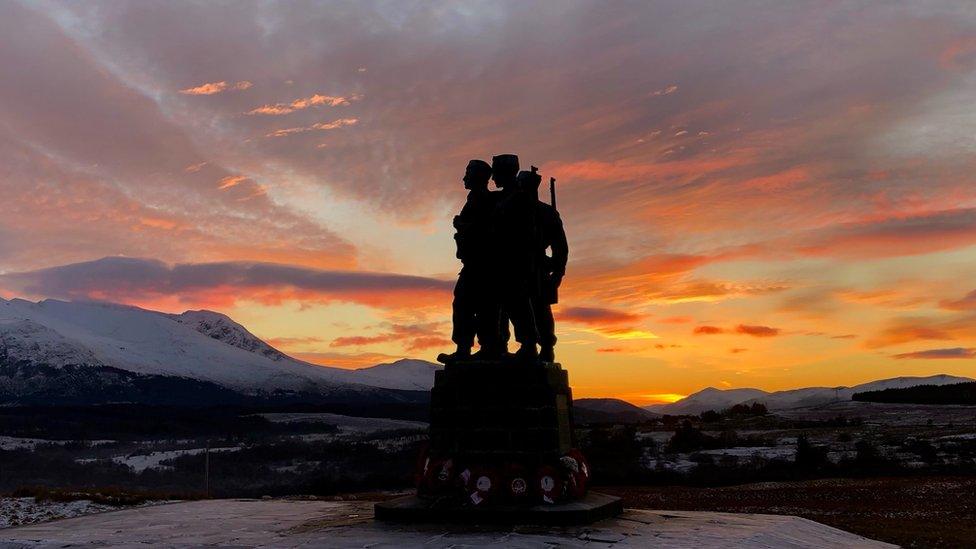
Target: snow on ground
[
  {"x": 763, "y": 452},
  {"x": 965, "y": 436},
  {"x": 20, "y": 443},
  {"x": 685, "y": 463},
  {"x": 20, "y": 511},
  {"x": 153, "y": 460},
  {"x": 347, "y": 424}
]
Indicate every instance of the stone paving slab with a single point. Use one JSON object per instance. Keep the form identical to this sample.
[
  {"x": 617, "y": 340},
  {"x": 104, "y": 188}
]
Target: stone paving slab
[{"x": 296, "y": 523}]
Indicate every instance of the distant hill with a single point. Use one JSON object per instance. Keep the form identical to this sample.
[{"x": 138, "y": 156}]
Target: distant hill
[
  {"x": 709, "y": 398},
  {"x": 608, "y": 410},
  {"x": 956, "y": 393},
  {"x": 719, "y": 399}
]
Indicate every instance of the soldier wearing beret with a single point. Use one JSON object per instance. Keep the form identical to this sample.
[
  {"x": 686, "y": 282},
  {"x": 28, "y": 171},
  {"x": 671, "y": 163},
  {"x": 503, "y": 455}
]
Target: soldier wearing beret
[
  {"x": 515, "y": 230},
  {"x": 474, "y": 307}
]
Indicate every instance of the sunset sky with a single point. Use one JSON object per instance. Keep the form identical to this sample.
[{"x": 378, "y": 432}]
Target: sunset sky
[{"x": 756, "y": 193}]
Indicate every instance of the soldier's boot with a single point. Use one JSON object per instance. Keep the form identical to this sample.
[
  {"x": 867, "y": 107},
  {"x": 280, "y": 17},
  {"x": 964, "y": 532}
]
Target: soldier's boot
[
  {"x": 527, "y": 354},
  {"x": 487, "y": 353},
  {"x": 547, "y": 353},
  {"x": 462, "y": 353}
]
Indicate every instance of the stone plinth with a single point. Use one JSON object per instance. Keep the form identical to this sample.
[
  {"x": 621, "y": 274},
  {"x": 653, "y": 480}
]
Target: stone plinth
[
  {"x": 329, "y": 524},
  {"x": 499, "y": 411},
  {"x": 591, "y": 508}
]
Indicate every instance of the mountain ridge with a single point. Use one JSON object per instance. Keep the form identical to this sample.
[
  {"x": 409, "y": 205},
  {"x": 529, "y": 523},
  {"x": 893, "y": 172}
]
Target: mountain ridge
[
  {"x": 135, "y": 348},
  {"x": 712, "y": 398}
]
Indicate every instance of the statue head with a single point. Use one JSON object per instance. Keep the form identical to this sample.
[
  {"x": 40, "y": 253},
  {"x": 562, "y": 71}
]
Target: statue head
[
  {"x": 504, "y": 168},
  {"x": 529, "y": 181},
  {"x": 476, "y": 175}
]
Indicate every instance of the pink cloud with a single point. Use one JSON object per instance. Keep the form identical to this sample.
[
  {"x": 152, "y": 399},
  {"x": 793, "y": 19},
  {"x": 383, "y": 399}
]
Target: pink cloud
[
  {"x": 953, "y": 353},
  {"x": 220, "y": 285}
]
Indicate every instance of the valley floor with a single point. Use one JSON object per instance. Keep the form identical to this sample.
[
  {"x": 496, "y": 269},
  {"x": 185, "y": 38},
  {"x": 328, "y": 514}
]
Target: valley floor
[{"x": 910, "y": 511}]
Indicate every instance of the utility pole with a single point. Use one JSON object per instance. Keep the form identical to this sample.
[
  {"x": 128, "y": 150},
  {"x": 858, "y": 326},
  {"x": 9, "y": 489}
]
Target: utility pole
[{"x": 206, "y": 471}]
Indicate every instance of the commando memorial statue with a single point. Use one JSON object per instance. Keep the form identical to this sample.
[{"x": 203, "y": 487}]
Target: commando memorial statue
[{"x": 501, "y": 424}]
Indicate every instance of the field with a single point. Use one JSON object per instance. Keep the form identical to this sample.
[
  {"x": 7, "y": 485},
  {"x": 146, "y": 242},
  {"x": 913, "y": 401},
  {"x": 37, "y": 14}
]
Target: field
[
  {"x": 907, "y": 511},
  {"x": 900, "y": 473}
]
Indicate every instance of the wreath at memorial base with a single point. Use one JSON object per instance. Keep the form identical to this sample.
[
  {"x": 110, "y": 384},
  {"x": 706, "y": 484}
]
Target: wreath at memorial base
[{"x": 480, "y": 484}]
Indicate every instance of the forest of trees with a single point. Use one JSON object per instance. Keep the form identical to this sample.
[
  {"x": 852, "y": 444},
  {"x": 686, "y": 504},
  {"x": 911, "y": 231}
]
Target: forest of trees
[{"x": 958, "y": 393}]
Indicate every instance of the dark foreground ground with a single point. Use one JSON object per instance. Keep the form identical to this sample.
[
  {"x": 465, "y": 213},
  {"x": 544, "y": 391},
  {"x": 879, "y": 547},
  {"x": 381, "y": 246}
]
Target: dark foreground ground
[{"x": 911, "y": 512}]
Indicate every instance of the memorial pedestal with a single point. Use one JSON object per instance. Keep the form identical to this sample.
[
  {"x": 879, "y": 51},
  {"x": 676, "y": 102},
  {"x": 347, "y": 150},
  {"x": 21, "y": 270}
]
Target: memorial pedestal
[
  {"x": 500, "y": 412},
  {"x": 501, "y": 451}
]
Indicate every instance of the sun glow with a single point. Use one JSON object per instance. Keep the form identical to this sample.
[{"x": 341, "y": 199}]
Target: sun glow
[{"x": 662, "y": 398}]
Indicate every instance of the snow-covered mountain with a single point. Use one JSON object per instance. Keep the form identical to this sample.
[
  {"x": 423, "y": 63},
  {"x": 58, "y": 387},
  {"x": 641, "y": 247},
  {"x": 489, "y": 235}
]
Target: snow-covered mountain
[
  {"x": 220, "y": 327},
  {"x": 406, "y": 373},
  {"x": 42, "y": 341},
  {"x": 718, "y": 399}
]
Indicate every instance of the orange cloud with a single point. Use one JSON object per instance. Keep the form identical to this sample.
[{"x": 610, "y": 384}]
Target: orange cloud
[
  {"x": 778, "y": 181},
  {"x": 622, "y": 171},
  {"x": 966, "y": 303},
  {"x": 624, "y": 333},
  {"x": 757, "y": 331},
  {"x": 321, "y": 126},
  {"x": 231, "y": 181},
  {"x": 745, "y": 329},
  {"x": 414, "y": 337},
  {"x": 959, "y": 54},
  {"x": 292, "y": 342},
  {"x": 212, "y": 88},
  {"x": 910, "y": 329},
  {"x": 304, "y": 103},
  {"x": 343, "y": 360},
  {"x": 676, "y": 320},
  {"x": 159, "y": 223},
  {"x": 596, "y": 316},
  {"x": 916, "y": 234},
  {"x": 429, "y": 342}
]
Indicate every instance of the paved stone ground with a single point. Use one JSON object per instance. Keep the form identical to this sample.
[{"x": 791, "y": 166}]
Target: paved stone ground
[{"x": 294, "y": 523}]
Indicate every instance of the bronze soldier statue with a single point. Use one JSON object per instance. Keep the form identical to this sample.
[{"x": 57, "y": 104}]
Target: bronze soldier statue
[
  {"x": 549, "y": 269},
  {"x": 515, "y": 252},
  {"x": 474, "y": 305}
]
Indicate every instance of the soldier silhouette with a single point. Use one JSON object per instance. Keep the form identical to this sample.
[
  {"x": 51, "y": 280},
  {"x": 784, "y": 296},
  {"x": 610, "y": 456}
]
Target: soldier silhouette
[
  {"x": 549, "y": 269},
  {"x": 475, "y": 305},
  {"x": 516, "y": 258}
]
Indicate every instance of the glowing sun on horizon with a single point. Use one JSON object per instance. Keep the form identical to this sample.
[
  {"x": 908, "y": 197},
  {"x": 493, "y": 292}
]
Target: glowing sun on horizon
[{"x": 662, "y": 398}]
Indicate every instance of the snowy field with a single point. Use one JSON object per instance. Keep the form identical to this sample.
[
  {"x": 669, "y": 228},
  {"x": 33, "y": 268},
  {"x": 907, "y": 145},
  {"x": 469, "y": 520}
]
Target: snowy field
[
  {"x": 347, "y": 424},
  {"x": 20, "y": 443},
  {"x": 154, "y": 460}
]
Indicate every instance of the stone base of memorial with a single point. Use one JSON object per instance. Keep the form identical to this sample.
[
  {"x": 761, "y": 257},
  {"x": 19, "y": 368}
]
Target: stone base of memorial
[{"x": 501, "y": 451}]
